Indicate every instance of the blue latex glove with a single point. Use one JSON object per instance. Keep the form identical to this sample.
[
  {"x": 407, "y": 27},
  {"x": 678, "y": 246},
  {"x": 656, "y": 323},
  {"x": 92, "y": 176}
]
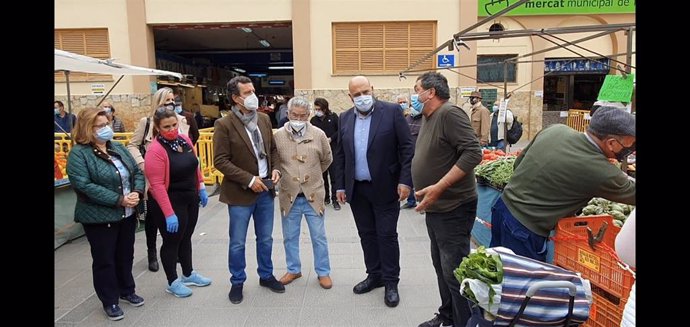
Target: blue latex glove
[
  {"x": 203, "y": 196},
  {"x": 171, "y": 223}
]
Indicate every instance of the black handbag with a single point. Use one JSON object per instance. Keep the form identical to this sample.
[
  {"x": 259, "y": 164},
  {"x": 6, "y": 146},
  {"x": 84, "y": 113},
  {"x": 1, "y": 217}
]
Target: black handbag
[{"x": 142, "y": 145}]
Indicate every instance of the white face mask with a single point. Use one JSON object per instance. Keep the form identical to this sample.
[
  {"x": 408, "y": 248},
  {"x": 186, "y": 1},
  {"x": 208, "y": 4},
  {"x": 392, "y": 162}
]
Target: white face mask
[
  {"x": 364, "y": 102},
  {"x": 251, "y": 102},
  {"x": 297, "y": 126},
  {"x": 318, "y": 113}
]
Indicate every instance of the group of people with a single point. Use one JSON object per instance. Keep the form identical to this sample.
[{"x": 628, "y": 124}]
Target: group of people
[
  {"x": 375, "y": 157},
  {"x": 160, "y": 168}
]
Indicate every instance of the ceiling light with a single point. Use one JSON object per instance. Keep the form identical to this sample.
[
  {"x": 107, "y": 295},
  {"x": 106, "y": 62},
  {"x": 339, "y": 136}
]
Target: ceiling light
[
  {"x": 239, "y": 70},
  {"x": 247, "y": 29},
  {"x": 280, "y": 67},
  {"x": 264, "y": 43}
]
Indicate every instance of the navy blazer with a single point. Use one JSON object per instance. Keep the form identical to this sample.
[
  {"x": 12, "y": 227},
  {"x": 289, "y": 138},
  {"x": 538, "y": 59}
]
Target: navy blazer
[{"x": 389, "y": 151}]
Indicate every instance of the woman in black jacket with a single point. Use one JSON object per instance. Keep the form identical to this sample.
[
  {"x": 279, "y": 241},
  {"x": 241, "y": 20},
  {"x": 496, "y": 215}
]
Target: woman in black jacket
[
  {"x": 109, "y": 187},
  {"x": 327, "y": 121}
]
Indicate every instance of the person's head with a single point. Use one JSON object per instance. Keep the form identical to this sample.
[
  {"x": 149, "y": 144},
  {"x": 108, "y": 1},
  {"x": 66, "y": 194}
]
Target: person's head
[
  {"x": 614, "y": 131},
  {"x": 361, "y": 93},
  {"x": 92, "y": 127},
  {"x": 109, "y": 109},
  {"x": 321, "y": 107},
  {"x": 241, "y": 93},
  {"x": 431, "y": 90},
  {"x": 165, "y": 123},
  {"x": 163, "y": 97},
  {"x": 401, "y": 99},
  {"x": 58, "y": 106},
  {"x": 298, "y": 113},
  {"x": 475, "y": 97}
]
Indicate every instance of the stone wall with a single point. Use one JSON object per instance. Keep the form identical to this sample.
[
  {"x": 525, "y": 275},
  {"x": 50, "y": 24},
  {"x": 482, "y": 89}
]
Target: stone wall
[
  {"x": 128, "y": 107},
  {"x": 552, "y": 117}
]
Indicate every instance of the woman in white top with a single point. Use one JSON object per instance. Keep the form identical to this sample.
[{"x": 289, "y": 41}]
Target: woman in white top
[
  {"x": 625, "y": 248},
  {"x": 498, "y": 130},
  {"x": 163, "y": 97}
]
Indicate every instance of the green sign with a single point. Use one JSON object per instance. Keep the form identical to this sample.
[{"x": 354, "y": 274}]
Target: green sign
[
  {"x": 557, "y": 7},
  {"x": 617, "y": 88}
]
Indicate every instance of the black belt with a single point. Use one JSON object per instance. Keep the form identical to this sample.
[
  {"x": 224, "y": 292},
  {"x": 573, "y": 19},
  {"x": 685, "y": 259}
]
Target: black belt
[
  {"x": 300, "y": 195},
  {"x": 365, "y": 181}
]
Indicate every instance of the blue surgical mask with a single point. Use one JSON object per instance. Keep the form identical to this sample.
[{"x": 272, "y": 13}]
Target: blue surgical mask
[
  {"x": 107, "y": 110},
  {"x": 364, "y": 102},
  {"x": 403, "y": 106},
  {"x": 57, "y": 111},
  {"x": 417, "y": 106},
  {"x": 178, "y": 109},
  {"x": 104, "y": 134}
]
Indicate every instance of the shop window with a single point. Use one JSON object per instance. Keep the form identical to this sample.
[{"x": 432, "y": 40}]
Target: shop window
[
  {"x": 382, "y": 47},
  {"x": 92, "y": 42},
  {"x": 494, "y": 73}
]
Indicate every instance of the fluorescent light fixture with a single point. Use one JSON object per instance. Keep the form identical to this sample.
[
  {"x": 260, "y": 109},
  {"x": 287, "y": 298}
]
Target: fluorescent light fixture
[
  {"x": 247, "y": 29},
  {"x": 257, "y": 74},
  {"x": 280, "y": 67},
  {"x": 239, "y": 70},
  {"x": 264, "y": 43}
]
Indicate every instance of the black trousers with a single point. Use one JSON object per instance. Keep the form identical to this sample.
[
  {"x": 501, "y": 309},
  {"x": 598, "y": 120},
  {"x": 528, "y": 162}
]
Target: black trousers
[
  {"x": 329, "y": 171},
  {"x": 150, "y": 227},
  {"x": 377, "y": 225},
  {"x": 112, "y": 251},
  {"x": 185, "y": 204},
  {"x": 450, "y": 242}
]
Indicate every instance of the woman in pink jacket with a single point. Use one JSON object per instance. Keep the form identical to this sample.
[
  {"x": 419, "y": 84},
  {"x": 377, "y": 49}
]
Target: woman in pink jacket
[{"x": 177, "y": 188}]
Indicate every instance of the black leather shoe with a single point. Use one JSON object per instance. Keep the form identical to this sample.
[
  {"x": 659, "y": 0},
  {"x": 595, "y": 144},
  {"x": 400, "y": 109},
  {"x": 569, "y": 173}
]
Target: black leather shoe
[
  {"x": 153, "y": 260},
  {"x": 235, "y": 294},
  {"x": 367, "y": 285},
  {"x": 327, "y": 200},
  {"x": 336, "y": 205},
  {"x": 391, "y": 296},
  {"x": 272, "y": 284}
]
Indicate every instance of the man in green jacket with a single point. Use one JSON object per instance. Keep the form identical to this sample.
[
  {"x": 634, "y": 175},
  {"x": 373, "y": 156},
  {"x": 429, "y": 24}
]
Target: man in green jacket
[{"x": 557, "y": 174}]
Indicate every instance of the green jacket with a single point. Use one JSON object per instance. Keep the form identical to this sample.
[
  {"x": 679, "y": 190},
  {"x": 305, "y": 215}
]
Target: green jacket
[{"x": 98, "y": 185}]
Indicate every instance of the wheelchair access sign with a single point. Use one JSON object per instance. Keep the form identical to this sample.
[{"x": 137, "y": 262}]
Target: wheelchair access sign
[{"x": 445, "y": 60}]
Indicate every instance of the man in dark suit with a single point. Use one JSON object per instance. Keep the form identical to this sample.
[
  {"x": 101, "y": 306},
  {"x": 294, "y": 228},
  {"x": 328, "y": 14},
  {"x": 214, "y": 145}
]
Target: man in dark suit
[
  {"x": 245, "y": 152},
  {"x": 373, "y": 158}
]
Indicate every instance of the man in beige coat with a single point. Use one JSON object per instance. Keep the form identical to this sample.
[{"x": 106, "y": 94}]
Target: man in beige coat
[
  {"x": 304, "y": 154},
  {"x": 479, "y": 115}
]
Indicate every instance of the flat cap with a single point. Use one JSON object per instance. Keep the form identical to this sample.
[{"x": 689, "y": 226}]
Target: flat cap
[{"x": 612, "y": 121}]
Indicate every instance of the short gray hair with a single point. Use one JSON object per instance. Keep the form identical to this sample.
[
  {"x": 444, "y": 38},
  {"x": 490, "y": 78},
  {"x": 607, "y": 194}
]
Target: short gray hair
[
  {"x": 401, "y": 96},
  {"x": 299, "y": 102},
  {"x": 437, "y": 81}
]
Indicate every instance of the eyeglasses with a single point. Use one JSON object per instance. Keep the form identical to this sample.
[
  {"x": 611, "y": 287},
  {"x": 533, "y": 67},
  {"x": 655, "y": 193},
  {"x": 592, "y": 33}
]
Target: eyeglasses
[
  {"x": 631, "y": 147},
  {"x": 296, "y": 116}
]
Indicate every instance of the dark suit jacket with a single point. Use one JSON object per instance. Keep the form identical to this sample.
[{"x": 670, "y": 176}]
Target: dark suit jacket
[
  {"x": 234, "y": 157},
  {"x": 389, "y": 151}
]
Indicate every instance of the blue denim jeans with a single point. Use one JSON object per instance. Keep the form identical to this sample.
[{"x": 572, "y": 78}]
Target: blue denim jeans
[
  {"x": 508, "y": 232},
  {"x": 262, "y": 210},
  {"x": 317, "y": 231}
]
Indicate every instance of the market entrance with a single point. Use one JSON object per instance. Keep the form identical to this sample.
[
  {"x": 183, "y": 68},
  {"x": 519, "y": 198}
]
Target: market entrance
[
  {"x": 573, "y": 83},
  {"x": 209, "y": 55}
]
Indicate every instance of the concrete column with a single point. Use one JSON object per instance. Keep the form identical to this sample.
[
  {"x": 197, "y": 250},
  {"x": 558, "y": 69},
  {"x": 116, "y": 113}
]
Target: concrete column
[
  {"x": 468, "y": 17},
  {"x": 142, "y": 48},
  {"x": 301, "y": 44}
]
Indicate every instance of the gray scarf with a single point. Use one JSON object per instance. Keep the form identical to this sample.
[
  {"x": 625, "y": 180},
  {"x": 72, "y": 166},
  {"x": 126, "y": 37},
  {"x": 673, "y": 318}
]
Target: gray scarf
[{"x": 249, "y": 120}]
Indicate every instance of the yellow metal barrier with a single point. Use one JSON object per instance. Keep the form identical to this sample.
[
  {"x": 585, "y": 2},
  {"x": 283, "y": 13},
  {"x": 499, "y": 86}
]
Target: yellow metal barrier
[
  {"x": 204, "y": 148},
  {"x": 576, "y": 119}
]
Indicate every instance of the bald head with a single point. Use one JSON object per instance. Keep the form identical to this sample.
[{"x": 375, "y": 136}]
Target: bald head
[{"x": 359, "y": 85}]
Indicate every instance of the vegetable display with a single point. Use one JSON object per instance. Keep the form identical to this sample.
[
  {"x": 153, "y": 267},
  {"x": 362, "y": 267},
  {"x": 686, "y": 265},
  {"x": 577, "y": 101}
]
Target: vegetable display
[
  {"x": 599, "y": 206},
  {"x": 497, "y": 172}
]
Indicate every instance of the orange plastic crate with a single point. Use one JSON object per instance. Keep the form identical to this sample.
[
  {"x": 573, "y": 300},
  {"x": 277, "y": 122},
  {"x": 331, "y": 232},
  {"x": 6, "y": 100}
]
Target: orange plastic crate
[
  {"x": 606, "y": 310},
  {"x": 597, "y": 265}
]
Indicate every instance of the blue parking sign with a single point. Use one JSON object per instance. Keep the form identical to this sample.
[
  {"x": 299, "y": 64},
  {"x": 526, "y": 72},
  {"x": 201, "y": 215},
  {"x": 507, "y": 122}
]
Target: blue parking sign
[{"x": 445, "y": 60}]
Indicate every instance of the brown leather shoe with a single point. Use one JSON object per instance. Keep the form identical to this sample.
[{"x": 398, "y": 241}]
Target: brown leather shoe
[
  {"x": 288, "y": 278},
  {"x": 325, "y": 282}
]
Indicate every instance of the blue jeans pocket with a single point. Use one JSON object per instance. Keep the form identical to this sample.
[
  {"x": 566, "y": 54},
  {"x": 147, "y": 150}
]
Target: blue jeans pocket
[{"x": 516, "y": 229}]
